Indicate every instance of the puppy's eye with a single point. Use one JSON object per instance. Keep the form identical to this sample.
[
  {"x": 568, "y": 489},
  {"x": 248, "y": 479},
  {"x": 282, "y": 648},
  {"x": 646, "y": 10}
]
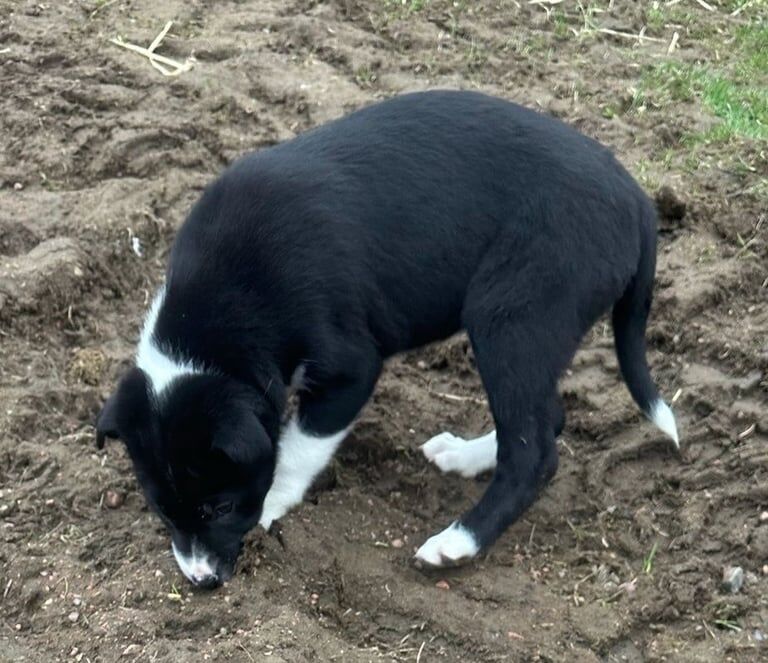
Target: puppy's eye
[
  {"x": 208, "y": 512},
  {"x": 224, "y": 507}
]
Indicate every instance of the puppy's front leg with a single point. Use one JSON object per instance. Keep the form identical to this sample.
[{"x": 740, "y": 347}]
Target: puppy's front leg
[
  {"x": 309, "y": 440},
  {"x": 301, "y": 456}
]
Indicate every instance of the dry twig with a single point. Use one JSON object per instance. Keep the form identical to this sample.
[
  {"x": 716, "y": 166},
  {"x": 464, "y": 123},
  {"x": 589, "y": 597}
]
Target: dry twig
[
  {"x": 706, "y": 6},
  {"x": 628, "y": 35},
  {"x": 460, "y": 399},
  {"x": 673, "y": 43},
  {"x": 166, "y": 66}
]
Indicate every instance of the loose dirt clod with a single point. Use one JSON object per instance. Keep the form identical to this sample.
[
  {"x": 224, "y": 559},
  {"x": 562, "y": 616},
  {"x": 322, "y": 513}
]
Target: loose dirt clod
[
  {"x": 87, "y": 365},
  {"x": 670, "y": 206}
]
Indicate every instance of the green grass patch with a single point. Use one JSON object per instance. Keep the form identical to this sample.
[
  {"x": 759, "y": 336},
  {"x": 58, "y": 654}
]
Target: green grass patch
[
  {"x": 734, "y": 90},
  {"x": 741, "y": 107},
  {"x": 752, "y": 43}
]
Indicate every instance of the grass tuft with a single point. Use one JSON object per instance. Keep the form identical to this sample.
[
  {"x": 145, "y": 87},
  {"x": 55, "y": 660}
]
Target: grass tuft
[
  {"x": 648, "y": 561},
  {"x": 736, "y": 94}
]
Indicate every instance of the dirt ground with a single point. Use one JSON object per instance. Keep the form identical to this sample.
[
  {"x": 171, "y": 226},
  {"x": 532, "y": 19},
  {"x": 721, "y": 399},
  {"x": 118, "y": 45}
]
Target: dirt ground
[{"x": 622, "y": 557}]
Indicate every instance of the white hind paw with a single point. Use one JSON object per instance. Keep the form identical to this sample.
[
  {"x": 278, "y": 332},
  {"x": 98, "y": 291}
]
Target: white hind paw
[
  {"x": 440, "y": 443},
  {"x": 466, "y": 457},
  {"x": 453, "y": 546}
]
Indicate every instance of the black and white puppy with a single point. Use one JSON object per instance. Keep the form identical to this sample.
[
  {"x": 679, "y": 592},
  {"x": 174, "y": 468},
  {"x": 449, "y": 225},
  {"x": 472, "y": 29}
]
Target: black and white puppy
[{"x": 317, "y": 259}]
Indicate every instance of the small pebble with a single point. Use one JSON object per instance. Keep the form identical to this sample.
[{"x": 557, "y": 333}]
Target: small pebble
[
  {"x": 733, "y": 579},
  {"x": 18, "y": 186},
  {"x": 442, "y": 584},
  {"x": 73, "y": 616},
  {"x": 223, "y": 630},
  {"x": 397, "y": 543},
  {"x": 764, "y": 517},
  {"x": 765, "y": 569},
  {"x": 113, "y": 499},
  {"x": 758, "y": 635}
]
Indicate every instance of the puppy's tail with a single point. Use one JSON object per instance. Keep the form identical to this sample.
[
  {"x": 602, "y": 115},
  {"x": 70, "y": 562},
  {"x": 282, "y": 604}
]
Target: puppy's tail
[{"x": 630, "y": 316}]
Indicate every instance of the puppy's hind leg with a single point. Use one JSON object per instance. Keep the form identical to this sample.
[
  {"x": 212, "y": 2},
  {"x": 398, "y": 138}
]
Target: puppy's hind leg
[{"x": 521, "y": 348}]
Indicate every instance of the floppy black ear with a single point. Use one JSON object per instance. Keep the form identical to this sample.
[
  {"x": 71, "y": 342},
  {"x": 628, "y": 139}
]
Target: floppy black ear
[
  {"x": 241, "y": 438},
  {"x": 127, "y": 407},
  {"x": 106, "y": 422}
]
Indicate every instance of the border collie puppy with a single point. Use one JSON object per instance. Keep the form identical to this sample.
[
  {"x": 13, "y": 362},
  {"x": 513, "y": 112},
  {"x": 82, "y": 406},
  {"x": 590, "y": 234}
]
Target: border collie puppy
[{"x": 313, "y": 261}]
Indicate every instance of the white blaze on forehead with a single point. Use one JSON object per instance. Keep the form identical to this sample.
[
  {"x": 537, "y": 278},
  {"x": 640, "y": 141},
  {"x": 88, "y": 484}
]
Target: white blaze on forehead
[
  {"x": 197, "y": 566},
  {"x": 161, "y": 369}
]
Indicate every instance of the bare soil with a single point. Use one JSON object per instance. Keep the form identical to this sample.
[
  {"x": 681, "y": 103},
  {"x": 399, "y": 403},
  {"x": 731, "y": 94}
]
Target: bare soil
[{"x": 622, "y": 557}]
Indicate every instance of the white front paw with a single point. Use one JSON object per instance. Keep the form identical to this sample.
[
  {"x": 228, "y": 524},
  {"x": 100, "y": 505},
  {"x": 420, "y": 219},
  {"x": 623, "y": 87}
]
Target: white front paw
[
  {"x": 453, "y": 546},
  {"x": 467, "y": 457},
  {"x": 276, "y": 505}
]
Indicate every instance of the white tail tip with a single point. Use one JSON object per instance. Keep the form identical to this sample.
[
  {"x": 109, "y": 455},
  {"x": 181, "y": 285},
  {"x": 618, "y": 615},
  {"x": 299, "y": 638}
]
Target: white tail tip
[{"x": 662, "y": 416}]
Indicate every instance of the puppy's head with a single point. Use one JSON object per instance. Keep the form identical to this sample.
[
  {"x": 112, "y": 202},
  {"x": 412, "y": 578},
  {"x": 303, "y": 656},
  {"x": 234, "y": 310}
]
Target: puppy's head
[{"x": 204, "y": 454}]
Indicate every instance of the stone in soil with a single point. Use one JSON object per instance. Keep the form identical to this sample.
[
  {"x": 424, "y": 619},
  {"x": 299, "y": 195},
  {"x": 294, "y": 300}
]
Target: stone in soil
[{"x": 733, "y": 579}]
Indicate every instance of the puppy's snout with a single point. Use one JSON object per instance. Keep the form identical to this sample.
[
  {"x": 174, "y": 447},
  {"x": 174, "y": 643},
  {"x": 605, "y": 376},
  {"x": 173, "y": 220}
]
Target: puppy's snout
[
  {"x": 199, "y": 567},
  {"x": 211, "y": 581}
]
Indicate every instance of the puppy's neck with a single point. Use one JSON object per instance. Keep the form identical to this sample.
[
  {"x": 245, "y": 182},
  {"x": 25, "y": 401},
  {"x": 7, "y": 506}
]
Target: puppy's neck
[
  {"x": 161, "y": 366},
  {"x": 164, "y": 364}
]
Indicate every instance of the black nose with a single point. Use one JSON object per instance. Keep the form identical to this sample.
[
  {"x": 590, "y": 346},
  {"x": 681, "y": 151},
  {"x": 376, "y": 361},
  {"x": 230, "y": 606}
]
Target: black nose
[{"x": 207, "y": 582}]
